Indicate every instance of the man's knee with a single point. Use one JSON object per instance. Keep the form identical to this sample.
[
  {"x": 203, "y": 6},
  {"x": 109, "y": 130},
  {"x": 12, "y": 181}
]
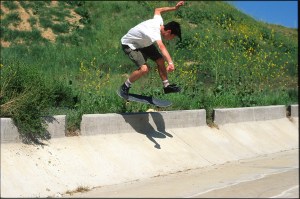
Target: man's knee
[
  {"x": 160, "y": 62},
  {"x": 144, "y": 69}
]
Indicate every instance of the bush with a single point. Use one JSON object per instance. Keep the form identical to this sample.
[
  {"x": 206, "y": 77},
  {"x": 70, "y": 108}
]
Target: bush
[{"x": 26, "y": 96}]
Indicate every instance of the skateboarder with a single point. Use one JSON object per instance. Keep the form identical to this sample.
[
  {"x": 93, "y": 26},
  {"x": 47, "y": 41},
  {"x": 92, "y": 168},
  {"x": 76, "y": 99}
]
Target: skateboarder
[{"x": 139, "y": 45}]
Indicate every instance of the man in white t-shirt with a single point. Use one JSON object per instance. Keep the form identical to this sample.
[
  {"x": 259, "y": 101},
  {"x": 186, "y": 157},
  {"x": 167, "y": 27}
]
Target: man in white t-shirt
[{"x": 139, "y": 45}]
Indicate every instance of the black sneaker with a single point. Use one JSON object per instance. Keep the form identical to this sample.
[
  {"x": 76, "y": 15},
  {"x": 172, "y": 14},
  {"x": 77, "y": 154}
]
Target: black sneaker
[
  {"x": 172, "y": 88},
  {"x": 124, "y": 90}
]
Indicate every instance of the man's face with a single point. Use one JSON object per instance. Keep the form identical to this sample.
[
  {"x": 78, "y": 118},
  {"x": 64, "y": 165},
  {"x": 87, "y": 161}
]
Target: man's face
[{"x": 167, "y": 35}]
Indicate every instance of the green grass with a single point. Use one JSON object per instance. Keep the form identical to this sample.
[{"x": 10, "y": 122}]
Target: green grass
[{"x": 226, "y": 58}]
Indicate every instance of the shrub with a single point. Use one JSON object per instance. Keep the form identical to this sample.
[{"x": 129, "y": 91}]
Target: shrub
[
  {"x": 24, "y": 98},
  {"x": 26, "y": 95}
]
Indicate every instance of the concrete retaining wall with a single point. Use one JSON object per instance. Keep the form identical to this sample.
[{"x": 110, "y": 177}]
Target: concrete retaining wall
[
  {"x": 56, "y": 128},
  {"x": 294, "y": 109},
  {"x": 9, "y": 132},
  {"x": 262, "y": 113},
  {"x": 92, "y": 124},
  {"x": 111, "y": 123}
]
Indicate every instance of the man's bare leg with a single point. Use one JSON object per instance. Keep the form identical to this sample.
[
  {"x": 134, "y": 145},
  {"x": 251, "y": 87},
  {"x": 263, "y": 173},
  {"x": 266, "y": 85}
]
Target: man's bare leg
[
  {"x": 135, "y": 75},
  {"x": 144, "y": 69},
  {"x": 162, "y": 71},
  {"x": 164, "y": 77}
]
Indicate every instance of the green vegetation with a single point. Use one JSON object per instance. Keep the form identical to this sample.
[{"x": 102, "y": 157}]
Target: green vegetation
[{"x": 226, "y": 59}]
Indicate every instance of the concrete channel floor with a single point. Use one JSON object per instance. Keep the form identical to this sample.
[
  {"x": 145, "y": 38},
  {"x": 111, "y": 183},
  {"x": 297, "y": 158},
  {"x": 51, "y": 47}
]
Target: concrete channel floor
[{"x": 268, "y": 176}]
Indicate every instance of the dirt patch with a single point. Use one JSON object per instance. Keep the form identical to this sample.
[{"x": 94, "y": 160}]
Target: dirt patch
[
  {"x": 48, "y": 34},
  {"x": 25, "y": 14},
  {"x": 4, "y": 9},
  {"x": 24, "y": 25},
  {"x": 5, "y": 44},
  {"x": 73, "y": 133},
  {"x": 54, "y": 3}
]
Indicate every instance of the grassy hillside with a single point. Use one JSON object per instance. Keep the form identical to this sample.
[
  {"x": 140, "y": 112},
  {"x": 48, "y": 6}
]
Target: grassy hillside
[{"x": 64, "y": 57}]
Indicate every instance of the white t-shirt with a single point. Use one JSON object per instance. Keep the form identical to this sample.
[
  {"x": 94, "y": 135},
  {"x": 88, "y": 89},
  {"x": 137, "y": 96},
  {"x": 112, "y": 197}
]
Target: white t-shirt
[{"x": 143, "y": 34}]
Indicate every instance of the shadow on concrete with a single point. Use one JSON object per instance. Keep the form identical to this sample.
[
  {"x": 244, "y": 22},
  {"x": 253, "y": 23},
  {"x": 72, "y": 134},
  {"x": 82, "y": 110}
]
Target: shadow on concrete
[
  {"x": 35, "y": 136},
  {"x": 141, "y": 124}
]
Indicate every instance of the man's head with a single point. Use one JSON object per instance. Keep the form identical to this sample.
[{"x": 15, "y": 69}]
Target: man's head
[{"x": 171, "y": 30}]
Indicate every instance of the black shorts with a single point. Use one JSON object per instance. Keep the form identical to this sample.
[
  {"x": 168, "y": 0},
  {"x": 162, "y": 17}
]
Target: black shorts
[{"x": 140, "y": 56}]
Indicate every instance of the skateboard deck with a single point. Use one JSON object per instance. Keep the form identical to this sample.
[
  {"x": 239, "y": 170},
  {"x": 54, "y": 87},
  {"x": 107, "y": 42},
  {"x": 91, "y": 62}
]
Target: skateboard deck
[{"x": 147, "y": 100}]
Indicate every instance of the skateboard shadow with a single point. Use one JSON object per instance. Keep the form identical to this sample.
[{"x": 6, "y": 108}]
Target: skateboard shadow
[{"x": 141, "y": 124}]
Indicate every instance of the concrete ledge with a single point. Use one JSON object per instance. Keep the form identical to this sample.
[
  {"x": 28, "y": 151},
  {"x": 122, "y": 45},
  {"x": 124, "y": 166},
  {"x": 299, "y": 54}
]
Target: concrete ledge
[
  {"x": 9, "y": 132},
  {"x": 56, "y": 128},
  {"x": 294, "y": 110},
  {"x": 111, "y": 123},
  {"x": 56, "y": 125},
  {"x": 260, "y": 113}
]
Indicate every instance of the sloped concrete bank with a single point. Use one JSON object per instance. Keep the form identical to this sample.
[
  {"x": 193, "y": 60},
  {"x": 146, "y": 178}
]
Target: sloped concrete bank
[{"x": 116, "y": 148}]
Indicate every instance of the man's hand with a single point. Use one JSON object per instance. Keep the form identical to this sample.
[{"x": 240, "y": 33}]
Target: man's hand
[
  {"x": 180, "y": 3},
  {"x": 158, "y": 11},
  {"x": 170, "y": 67}
]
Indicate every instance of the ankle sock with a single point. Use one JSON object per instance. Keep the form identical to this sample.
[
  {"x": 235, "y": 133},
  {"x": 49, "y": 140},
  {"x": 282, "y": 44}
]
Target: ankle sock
[
  {"x": 166, "y": 83},
  {"x": 128, "y": 83}
]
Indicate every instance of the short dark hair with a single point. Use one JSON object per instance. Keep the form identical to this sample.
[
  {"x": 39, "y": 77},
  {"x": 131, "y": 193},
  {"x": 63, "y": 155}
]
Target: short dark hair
[{"x": 174, "y": 27}]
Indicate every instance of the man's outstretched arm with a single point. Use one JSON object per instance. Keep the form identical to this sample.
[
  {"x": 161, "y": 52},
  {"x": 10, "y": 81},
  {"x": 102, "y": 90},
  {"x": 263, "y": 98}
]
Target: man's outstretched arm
[{"x": 158, "y": 11}]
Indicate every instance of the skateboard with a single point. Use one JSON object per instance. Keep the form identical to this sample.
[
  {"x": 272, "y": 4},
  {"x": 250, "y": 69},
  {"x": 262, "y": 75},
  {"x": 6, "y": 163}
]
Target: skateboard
[{"x": 146, "y": 100}]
